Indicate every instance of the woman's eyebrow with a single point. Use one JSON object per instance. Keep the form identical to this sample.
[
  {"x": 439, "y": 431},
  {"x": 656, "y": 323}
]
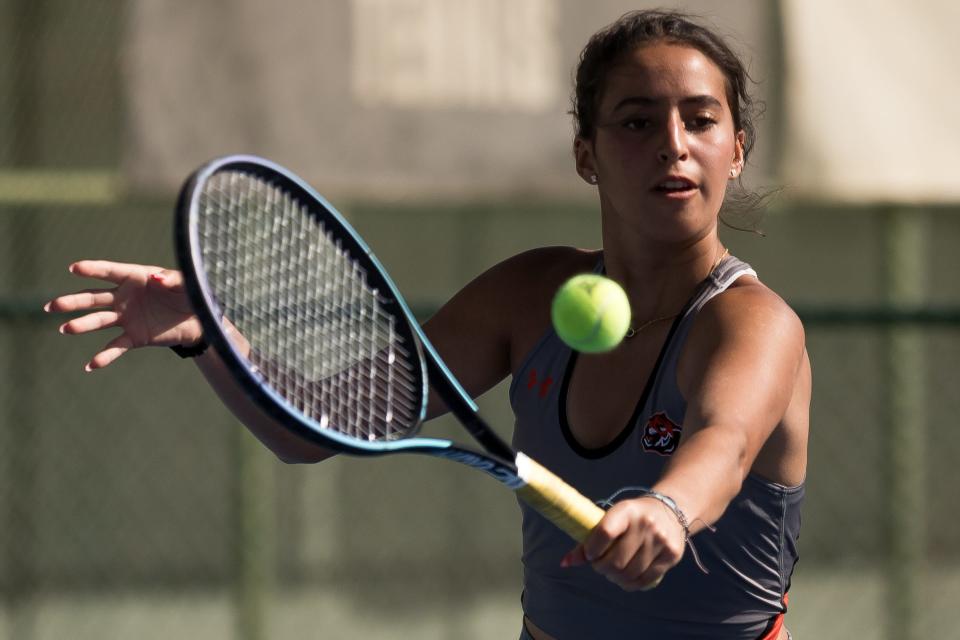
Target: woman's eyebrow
[{"x": 705, "y": 100}]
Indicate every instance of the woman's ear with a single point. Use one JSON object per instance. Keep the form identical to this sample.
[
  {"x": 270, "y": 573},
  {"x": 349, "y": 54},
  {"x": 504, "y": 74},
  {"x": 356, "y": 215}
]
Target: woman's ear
[
  {"x": 736, "y": 167},
  {"x": 586, "y": 163}
]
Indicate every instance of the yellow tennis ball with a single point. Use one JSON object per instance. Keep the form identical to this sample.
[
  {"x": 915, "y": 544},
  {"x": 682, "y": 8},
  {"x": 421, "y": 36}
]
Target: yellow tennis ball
[{"x": 591, "y": 313}]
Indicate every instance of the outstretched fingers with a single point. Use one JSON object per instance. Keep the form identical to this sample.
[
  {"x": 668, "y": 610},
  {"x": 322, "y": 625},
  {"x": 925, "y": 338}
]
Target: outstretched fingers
[
  {"x": 91, "y": 322},
  {"x": 110, "y": 352},
  {"x": 82, "y": 301},
  {"x": 147, "y": 302},
  {"x": 115, "y": 272}
]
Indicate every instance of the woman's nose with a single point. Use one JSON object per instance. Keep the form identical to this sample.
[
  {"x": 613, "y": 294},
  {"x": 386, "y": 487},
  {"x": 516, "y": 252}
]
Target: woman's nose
[{"x": 673, "y": 147}]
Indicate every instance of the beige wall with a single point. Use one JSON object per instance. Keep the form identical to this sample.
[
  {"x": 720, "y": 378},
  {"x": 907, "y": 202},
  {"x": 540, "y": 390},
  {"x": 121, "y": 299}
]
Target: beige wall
[
  {"x": 375, "y": 98},
  {"x": 871, "y": 100}
]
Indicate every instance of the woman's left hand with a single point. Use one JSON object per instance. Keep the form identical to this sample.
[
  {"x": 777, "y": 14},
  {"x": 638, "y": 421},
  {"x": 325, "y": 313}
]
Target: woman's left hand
[{"x": 633, "y": 546}]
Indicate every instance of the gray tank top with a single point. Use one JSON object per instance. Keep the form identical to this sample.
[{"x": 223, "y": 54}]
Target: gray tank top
[{"x": 750, "y": 557}]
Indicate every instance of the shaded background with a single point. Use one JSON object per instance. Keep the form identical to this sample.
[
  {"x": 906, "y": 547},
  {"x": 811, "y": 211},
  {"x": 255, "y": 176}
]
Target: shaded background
[{"x": 133, "y": 506}]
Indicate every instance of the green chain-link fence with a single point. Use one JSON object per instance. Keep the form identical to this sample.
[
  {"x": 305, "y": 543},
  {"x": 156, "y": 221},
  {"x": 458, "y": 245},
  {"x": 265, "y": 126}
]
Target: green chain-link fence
[{"x": 134, "y": 506}]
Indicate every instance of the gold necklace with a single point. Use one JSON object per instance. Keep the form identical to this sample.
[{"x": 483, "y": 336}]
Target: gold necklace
[{"x": 632, "y": 331}]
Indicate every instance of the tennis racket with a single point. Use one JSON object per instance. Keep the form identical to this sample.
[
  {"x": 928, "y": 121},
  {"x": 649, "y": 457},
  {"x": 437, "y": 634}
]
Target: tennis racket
[{"x": 335, "y": 355}]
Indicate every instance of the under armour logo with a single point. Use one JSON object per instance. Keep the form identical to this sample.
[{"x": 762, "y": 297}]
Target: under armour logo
[{"x": 544, "y": 384}]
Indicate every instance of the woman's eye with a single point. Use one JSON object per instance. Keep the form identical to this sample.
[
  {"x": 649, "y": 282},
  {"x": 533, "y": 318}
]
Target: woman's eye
[
  {"x": 700, "y": 123},
  {"x": 636, "y": 123}
]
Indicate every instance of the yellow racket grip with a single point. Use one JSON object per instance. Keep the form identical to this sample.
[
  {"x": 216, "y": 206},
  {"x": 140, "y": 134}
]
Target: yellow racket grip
[{"x": 556, "y": 500}]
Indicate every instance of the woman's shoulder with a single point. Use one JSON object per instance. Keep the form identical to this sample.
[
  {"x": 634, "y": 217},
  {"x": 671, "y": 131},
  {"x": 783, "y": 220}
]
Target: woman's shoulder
[
  {"x": 749, "y": 297},
  {"x": 530, "y": 280},
  {"x": 489, "y": 323},
  {"x": 549, "y": 264},
  {"x": 534, "y": 274},
  {"x": 515, "y": 293},
  {"x": 748, "y": 310}
]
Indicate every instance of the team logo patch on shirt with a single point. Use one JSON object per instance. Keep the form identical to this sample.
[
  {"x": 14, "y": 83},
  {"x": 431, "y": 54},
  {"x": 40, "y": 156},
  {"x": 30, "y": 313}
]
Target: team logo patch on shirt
[{"x": 661, "y": 435}]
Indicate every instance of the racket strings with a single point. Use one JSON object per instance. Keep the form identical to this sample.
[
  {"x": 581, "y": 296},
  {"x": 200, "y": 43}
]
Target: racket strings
[{"x": 319, "y": 334}]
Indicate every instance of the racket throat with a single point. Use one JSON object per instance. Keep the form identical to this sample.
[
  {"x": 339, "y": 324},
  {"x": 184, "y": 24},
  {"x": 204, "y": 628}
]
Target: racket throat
[{"x": 488, "y": 439}]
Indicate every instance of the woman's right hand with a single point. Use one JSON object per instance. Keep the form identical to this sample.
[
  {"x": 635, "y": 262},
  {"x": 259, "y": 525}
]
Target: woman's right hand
[{"x": 148, "y": 303}]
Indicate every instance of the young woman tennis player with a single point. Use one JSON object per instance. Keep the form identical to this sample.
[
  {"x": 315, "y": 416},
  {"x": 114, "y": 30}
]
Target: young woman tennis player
[{"x": 696, "y": 424}]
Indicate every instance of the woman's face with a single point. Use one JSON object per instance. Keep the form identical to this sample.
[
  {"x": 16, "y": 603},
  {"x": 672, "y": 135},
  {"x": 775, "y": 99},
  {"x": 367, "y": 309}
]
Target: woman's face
[{"x": 665, "y": 145}]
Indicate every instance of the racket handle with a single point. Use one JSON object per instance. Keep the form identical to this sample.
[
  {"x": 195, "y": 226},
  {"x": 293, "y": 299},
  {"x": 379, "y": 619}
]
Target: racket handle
[{"x": 556, "y": 500}]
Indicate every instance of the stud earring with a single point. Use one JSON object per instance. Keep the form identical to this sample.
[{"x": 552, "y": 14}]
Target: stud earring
[{"x": 593, "y": 178}]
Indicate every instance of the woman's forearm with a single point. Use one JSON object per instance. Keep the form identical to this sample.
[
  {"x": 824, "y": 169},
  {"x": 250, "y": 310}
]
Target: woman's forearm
[
  {"x": 281, "y": 441},
  {"x": 705, "y": 474}
]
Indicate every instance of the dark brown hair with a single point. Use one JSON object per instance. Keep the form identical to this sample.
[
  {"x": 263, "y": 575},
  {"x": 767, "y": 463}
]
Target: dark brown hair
[{"x": 611, "y": 44}]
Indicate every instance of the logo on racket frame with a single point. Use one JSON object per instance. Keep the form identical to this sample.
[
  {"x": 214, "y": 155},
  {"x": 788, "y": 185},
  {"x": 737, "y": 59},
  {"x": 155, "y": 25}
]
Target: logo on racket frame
[{"x": 505, "y": 476}]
